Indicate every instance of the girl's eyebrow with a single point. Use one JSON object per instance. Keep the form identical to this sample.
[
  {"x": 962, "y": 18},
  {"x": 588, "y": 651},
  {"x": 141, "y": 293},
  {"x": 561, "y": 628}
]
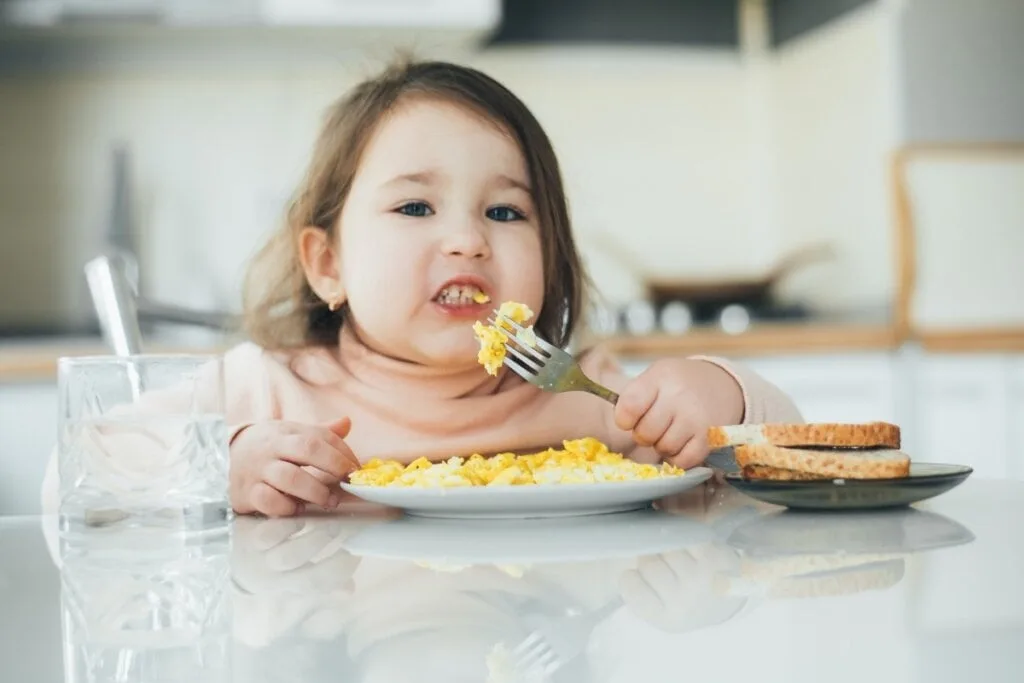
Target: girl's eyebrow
[
  {"x": 432, "y": 178},
  {"x": 418, "y": 178},
  {"x": 504, "y": 181}
]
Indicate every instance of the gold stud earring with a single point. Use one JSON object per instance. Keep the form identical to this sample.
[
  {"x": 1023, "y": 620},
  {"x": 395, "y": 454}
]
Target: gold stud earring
[{"x": 334, "y": 304}]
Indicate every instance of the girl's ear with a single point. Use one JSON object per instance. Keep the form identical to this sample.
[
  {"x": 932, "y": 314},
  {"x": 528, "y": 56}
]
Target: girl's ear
[{"x": 320, "y": 263}]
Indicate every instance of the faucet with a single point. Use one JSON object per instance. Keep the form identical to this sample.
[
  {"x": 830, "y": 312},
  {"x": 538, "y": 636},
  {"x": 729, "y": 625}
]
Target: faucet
[
  {"x": 113, "y": 277},
  {"x": 113, "y": 285}
]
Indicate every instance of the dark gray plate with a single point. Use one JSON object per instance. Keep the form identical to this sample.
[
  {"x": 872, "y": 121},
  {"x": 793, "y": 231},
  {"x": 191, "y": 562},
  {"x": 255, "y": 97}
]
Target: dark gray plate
[{"x": 926, "y": 480}]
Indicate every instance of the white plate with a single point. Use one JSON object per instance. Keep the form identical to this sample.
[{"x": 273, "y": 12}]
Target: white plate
[
  {"x": 460, "y": 542},
  {"x": 535, "y": 500}
]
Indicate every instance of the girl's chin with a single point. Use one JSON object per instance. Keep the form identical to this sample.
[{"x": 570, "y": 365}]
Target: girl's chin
[
  {"x": 452, "y": 359},
  {"x": 457, "y": 363}
]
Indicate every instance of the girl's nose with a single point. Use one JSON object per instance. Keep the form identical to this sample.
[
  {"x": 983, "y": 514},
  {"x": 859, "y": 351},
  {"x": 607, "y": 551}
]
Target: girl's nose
[{"x": 466, "y": 239}]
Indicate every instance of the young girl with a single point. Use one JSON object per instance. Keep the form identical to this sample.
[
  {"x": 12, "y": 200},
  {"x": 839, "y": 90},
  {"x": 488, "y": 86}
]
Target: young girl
[{"x": 430, "y": 184}]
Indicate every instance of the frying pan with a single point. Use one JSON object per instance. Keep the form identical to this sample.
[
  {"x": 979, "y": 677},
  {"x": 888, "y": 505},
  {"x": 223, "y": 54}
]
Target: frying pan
[{"x": 752, "y": 292}]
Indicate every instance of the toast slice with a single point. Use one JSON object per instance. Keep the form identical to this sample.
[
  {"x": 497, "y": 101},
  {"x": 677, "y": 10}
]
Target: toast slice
[
  {"x": 855, "y": 578},
  {"x": 778, "y": 474},
  {"x": 883, "y": 463},
  {"x": 820, "y": 435},
  {"x": 774, "y": 567}
]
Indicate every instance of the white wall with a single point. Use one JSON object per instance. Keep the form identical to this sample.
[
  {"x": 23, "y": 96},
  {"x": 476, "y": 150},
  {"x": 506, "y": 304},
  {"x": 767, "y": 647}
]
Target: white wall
[
  {"x": 833, "y": 107},
  {"x": 655, "y": 146},
  {"x": 892, "y": 73},
  {"x": 696, "y": 163},
  {"x": 658, "y": 152}
]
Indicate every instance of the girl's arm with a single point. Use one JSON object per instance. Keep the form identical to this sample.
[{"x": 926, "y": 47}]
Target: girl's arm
[{"x": 762, "y": 401}]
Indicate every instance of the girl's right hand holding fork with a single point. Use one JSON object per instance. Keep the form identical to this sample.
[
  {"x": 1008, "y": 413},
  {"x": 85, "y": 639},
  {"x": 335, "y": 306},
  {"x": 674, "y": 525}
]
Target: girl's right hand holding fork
[{"x": 277, "y": 466}]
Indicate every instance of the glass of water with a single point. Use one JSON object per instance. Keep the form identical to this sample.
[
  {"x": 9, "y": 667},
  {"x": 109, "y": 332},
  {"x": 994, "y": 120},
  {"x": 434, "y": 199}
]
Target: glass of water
[{"x": 142, "y": 441}]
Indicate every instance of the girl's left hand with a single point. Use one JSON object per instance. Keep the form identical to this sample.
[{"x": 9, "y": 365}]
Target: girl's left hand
[{"x": 673, "y": 402}]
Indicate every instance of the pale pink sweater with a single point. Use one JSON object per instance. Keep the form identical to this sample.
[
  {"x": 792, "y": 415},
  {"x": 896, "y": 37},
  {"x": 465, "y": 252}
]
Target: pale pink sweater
[{"x": 404, "y": 411}]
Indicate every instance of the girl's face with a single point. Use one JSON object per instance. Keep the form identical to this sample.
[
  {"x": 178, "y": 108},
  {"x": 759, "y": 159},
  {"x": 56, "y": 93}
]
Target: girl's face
[{"x": 439, "y": 210}]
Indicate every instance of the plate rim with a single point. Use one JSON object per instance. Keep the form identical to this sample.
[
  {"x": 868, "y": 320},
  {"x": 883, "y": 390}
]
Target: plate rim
[
  {"x": 656, "y": 526},
  {"x": 483, "y": 491},
  {"x": 960, "y": 470},
  {"x": 927, "y": 516}
]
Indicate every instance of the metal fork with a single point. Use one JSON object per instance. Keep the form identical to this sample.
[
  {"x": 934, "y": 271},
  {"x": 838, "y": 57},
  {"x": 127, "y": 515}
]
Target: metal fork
[
  {"x": 545, "y": 365},
  {"x": 553, "y": 643}
]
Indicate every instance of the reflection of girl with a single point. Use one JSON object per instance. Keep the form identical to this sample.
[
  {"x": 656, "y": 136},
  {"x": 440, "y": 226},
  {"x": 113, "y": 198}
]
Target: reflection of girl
[
  {"x": 414, "y": 623},
  {"x": 389, "y": 620},
  {"x": 304, "y": 606},
  {"x": 679, "y": 591}
]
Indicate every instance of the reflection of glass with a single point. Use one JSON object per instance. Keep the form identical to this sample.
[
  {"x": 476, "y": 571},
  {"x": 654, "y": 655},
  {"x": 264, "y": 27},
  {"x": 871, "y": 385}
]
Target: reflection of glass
[
  {"x": 142, "y": 441},
  {"x": 146, "y": 606}
]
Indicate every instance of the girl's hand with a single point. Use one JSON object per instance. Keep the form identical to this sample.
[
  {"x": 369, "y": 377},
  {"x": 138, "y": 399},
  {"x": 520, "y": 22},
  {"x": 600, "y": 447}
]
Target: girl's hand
[
  {"x": 684, "y": 589},
  {"x": 277, "y": 467},
  {"x": 673, "y": 402},
  {"x": 292, "y": 576}
]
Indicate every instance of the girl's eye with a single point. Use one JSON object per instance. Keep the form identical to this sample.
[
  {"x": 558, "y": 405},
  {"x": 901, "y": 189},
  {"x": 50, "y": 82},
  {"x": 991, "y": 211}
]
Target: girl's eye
[
  {"x": 415, "y": 209},
  {"x": 504, "y": 214}
]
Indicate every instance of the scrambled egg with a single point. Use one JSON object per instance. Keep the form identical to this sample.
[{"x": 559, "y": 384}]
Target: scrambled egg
[
  {"x": 492, "y": 340},
  {"x": 581, "y": 461},
  {"x": 481, "y": 298},
  {"x": 501, "y": 667}
]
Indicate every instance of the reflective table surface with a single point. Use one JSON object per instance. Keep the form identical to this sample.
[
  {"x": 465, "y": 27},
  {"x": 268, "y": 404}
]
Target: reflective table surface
[{"x": 710, "y": 585}]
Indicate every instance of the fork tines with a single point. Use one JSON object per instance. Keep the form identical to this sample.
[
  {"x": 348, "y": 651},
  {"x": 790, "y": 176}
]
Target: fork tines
[
  {"x": 542, "y": 347},
  {"x": 531, "y": 360},
  {"x": 535, "y": 347}
]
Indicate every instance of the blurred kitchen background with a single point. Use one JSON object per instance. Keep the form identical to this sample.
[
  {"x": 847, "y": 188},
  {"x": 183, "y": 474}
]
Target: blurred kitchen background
[{"x": 831, "y": 191}]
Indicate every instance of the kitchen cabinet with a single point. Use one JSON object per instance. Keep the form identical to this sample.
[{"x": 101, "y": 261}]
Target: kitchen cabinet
[
  {"x": 791, "y": 19},
  {"x": 965, "y": 412},
  {"x": 1015, "y": 434},
  {"x": 681, "y": 22},
  {"x": 40, "y": 36},
  {"x": 249, "y": 12},
  {"x": 956, "y": 408},
  {"x": 860, "y": 387},
  {"x": 28, "y": 429},
  {"x": 843, "y": 388}
]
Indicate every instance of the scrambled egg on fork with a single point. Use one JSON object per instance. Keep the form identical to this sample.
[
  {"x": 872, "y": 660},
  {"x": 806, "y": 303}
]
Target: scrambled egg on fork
[
  {"x": 580, "y": 461},
  {"x": 492, "y": 340}
]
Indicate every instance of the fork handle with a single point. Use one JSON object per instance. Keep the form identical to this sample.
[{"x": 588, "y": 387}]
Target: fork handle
[{"x": 602, "y": 391}]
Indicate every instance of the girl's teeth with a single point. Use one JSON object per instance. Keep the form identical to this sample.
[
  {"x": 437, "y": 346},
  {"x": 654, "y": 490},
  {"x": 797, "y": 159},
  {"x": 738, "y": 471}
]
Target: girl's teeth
[{"x": 461, "y": 295}]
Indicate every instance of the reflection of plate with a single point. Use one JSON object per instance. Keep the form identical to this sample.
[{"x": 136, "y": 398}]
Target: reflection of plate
[
  {"x": 926, "y": 480},
  {"x": 805, "y": 554},
  {"x": 443, "y": 542},
  {"x": 891, "y": 531},
  {"x": 545, "y": 500}
]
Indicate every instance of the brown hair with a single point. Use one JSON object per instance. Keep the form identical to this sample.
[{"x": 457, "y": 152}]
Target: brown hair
[{"x": 282, "y": 311}]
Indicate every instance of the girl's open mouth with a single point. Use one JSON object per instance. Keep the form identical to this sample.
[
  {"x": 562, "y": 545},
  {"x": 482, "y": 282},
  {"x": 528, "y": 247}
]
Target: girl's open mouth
[{"x": 462, "y": 295}]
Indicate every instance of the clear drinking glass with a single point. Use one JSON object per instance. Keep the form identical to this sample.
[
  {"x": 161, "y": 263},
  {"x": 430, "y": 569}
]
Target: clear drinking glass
[
  {"x": 143, "y": 605},
  {"x": 142, "y": 441}
]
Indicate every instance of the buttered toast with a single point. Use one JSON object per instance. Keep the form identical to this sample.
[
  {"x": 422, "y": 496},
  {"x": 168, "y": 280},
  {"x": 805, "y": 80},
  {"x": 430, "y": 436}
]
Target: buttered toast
[
  {"x": 822, "y": 434},
  {"x": 801, "y": 452}
]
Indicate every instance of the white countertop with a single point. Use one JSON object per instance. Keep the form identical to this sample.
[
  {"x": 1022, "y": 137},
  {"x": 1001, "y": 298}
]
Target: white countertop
[{"x": 715, "y": 587}]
